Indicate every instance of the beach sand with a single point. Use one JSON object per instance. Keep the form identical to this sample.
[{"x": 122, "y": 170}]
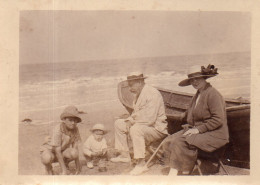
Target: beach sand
[{"x": 31, "y": 137}]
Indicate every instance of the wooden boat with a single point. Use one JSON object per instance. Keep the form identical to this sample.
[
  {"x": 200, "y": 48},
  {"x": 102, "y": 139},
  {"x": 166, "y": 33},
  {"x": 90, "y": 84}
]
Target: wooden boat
[{"x": 238, "y": 116}]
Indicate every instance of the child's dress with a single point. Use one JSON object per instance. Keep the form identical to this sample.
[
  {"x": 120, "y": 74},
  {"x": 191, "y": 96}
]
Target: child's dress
[{"x": 91, "y": 145}]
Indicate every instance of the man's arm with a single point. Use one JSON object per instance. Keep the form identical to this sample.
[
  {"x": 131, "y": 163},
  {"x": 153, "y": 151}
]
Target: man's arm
[
  {"x": 59, "y": 156},
  {"x": 148, "y": 113}
]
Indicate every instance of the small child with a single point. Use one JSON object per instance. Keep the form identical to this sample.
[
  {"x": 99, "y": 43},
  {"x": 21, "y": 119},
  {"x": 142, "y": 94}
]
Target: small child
[
  {"x": 62, "y": 145},
  {"x": 95, "y": 147}
]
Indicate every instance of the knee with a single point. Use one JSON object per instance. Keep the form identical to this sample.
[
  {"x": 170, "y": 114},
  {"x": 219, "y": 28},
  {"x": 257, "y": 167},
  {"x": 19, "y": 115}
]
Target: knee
[
  {"x": 172, "y": 140},
  {"x": 46, "y": 158},
  {"x": 74, "y": 153}
]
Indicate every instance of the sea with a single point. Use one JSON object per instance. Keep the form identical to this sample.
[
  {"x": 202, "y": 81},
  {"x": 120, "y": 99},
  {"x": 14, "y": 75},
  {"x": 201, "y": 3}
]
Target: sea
[{"x": 94, "y": 82}]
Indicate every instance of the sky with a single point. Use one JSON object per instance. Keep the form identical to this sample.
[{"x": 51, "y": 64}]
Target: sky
[{"x": 65, "y": 36}]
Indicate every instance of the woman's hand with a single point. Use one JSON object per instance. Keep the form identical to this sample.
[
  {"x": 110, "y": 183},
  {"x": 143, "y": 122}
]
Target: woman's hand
[{"x": 191, "y": 132}]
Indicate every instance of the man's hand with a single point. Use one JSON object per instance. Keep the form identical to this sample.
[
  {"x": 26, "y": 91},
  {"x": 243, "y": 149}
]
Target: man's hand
[
  {"x": 128, "y": 125},
  {"x": 124, "y": 116},
  {"x": 191, "y": 132},
  {"x": 59, "y": 156},
  {"x": 96, "y": 154}
]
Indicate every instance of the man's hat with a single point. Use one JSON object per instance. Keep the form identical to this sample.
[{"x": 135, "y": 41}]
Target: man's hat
[
  {"x": 70, "y": 111},
  {"x": 135, "y": 76},
  {"x": 205, "y": 73}
]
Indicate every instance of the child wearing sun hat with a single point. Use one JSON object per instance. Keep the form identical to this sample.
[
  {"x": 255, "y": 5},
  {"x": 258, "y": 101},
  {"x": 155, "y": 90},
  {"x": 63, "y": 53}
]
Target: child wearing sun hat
[
  {"x": 62, "y": 145},
  {"x": 95, "y": 147}
]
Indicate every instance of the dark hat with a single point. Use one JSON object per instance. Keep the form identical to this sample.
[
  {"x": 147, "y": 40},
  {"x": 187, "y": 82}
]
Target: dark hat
[
  {"x": 70, "y": 111},
  {"x": 205, "y": 73},
  {"x": 135, "y": 76}
]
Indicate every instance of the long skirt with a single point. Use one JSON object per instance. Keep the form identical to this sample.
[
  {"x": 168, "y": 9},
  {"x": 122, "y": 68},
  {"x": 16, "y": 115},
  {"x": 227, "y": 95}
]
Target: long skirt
[{"x": 180, "y": 152}]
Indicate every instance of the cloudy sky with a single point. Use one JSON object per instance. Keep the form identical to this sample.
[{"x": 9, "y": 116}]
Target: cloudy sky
[{"x": 61, "y": 36}]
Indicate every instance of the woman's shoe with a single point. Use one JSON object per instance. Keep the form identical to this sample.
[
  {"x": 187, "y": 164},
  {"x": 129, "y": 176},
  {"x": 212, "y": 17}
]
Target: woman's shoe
[
  {"x": 173, "y": 172},
  {"x": 90, "y": 165}
]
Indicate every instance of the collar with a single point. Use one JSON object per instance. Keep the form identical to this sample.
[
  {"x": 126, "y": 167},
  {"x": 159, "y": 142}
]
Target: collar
[{"x": 207, "y": 85}]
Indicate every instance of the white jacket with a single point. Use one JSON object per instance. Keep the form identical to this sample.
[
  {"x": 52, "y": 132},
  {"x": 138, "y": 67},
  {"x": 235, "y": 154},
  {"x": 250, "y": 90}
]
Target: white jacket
[{"x": 149, "y": 109}]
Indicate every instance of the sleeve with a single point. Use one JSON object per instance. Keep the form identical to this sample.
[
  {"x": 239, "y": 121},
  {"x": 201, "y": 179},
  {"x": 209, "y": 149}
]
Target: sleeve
[
  {"x": 56, "y": 137},
  {"x": 86, "y": 147},
  {"x": 217, "y": 110},
  {"x": 183, "y": 117},
  {"x": 148, "y": 113},
  {"x": 104, "y": 146}
]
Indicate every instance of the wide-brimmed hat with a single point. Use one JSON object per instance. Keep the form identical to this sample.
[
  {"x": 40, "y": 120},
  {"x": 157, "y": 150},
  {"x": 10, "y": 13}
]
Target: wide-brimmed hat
[
  {"x": 70, "y": 111},
  {"x": 205, "y": 73},
  {"x": 99, "y": 127},
  {"x": 135, "y": 76}
]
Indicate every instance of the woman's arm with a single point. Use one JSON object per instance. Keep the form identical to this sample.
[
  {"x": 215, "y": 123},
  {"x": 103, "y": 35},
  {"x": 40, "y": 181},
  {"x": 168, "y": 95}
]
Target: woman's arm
[{"x": 216, "y": 105}]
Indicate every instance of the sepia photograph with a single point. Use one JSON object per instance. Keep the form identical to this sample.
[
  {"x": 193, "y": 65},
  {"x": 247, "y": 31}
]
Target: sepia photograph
[{"x": 110, "y": 92}]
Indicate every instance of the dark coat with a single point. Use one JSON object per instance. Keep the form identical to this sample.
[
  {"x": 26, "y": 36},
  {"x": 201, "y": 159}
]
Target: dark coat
[{"x": 209, "y": 117}]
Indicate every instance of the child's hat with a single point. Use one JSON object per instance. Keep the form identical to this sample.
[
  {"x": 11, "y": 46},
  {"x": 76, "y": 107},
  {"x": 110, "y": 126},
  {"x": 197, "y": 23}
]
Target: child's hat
[
  {"x": 99, "y": 127},
  {"x": 70, "y": 111}
]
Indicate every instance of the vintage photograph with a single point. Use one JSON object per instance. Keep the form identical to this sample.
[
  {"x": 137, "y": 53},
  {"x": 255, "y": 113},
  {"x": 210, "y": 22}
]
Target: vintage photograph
[{"x": 134, "y": 92}]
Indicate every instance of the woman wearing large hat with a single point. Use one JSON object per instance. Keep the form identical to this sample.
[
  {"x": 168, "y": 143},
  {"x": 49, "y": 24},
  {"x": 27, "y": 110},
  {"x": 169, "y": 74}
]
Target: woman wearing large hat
[{"x": 204, "y": 123}]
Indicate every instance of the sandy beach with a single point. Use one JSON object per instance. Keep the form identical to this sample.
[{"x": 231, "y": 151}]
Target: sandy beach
[{"x": 31, "y": 137}]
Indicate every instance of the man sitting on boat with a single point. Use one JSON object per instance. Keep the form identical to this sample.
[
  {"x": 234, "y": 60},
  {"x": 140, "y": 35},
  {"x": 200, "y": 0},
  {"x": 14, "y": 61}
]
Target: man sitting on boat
[
  {"x": 145, "y": 125},
  {"x": 206, "y": 127}
]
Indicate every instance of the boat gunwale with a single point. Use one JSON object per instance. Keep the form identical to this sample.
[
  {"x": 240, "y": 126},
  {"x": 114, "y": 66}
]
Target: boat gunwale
[
  {"x": 244, "y": 104},
  {"x": 243, "y": 101}
]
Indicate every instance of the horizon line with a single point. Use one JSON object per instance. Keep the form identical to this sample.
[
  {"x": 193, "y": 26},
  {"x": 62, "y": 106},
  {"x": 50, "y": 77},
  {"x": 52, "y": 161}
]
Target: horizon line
[{"x": 182, "y": 55}]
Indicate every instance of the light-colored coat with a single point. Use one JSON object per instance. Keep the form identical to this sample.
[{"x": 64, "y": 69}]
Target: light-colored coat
[{"x": 149, "y": 109}]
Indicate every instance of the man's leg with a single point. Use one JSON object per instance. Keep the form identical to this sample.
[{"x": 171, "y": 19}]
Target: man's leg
[
  {"x": 47, "y": 158},
  {"x": 71, "y": 154},
  {"x": 141, "y": 134},
  {"x": 121, "y": 135},
  {"x": 121, "y": 141}
]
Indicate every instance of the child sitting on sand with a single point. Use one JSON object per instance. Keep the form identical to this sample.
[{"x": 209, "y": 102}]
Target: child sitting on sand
[
  {"x": 95, "y": 148},
  {"x": 62, "y": 146}
]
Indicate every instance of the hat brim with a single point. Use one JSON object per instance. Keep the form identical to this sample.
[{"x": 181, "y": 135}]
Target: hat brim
[
  {"x": 139, "y": 78},
  {"x": 105, "y": 131},
  {"x": 186, "y": 82},
  {"x": 66, "y": 115}
]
